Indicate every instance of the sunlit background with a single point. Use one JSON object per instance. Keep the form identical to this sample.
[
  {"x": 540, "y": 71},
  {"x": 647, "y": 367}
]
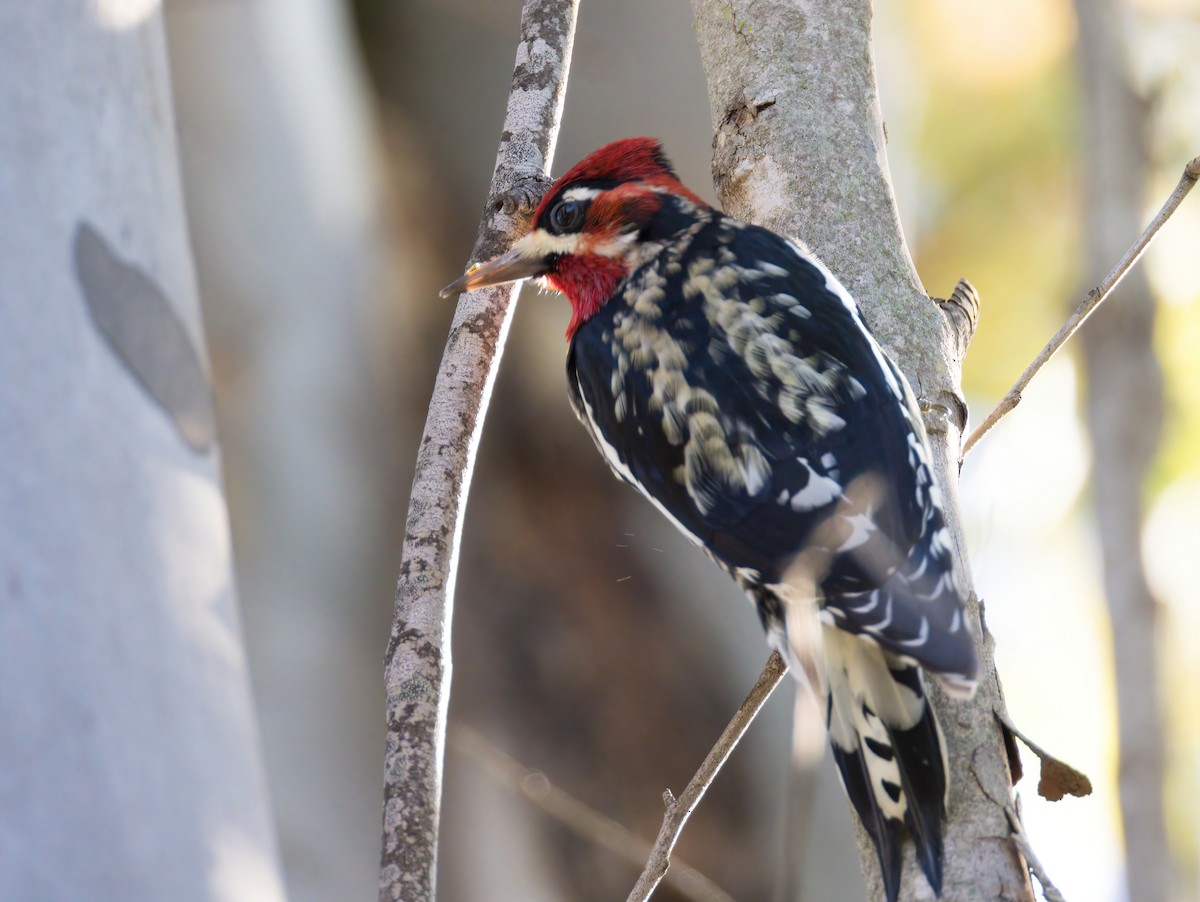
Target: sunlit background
[{"x": 336, "y": 157}]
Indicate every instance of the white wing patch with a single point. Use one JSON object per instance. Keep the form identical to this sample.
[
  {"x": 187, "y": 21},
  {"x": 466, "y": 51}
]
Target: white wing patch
[
  {"x": 818, "y": 492},
  {"x": 861, "y": 527}
]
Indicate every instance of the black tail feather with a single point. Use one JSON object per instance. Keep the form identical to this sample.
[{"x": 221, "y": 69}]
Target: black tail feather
[
  {"x": 888, "y": 748},
  {"x": 886, "y": 833},
  {"x": 923, "y": 778}
]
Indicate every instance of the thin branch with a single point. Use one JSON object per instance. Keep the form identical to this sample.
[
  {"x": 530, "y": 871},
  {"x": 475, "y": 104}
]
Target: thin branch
[
  {"x": 1097, "y": 296},
  {"x": 417, "y": 663},
  {"x": 574, "y": 814},
  {"x": 681, "y": 808},
  {"x": 1050, "y": 892}
]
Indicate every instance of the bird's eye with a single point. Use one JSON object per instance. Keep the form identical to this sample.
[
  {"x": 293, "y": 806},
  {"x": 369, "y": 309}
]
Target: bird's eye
[{"x": 567, "y": 216}]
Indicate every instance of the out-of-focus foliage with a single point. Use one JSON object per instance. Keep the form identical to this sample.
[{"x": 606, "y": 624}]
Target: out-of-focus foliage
[{"x": 998, "y": 198}]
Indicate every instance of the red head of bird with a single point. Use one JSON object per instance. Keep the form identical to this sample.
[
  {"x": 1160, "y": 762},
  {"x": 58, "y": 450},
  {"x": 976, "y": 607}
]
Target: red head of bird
[{"x": 585, "y": 237}]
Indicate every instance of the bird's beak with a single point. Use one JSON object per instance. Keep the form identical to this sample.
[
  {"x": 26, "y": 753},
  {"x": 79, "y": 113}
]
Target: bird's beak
[{"x": 522, "y": 262}]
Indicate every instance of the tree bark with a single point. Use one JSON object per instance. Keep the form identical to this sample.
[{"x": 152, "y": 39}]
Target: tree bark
[
  {"x": 131, "y": 766},
  {"x": 799, "y": 147},
  {"x": 417, "y": 663},
  {"x": 1124, "y": 407},
  {"x": 285, "y": 201}
]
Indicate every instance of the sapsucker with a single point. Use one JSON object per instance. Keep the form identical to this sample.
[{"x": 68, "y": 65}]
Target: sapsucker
[{"x": 729, "y": 377}]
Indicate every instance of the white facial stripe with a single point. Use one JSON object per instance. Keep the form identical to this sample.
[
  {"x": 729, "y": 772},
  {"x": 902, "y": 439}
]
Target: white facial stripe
[
  {"x": 614, "y": 247},
  {"x": 581, "y": 193},
  {"x": 540, "y": 243}
]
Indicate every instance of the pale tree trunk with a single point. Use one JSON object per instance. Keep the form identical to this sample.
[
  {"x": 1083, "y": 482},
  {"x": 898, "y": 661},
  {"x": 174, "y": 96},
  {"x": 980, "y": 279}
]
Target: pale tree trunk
[
  {"x": 799, "y": 147},
  {"x": 284, "y": 199},
  {"x": 1124, "y": 415},
  {"x": 129, "y": 748}
]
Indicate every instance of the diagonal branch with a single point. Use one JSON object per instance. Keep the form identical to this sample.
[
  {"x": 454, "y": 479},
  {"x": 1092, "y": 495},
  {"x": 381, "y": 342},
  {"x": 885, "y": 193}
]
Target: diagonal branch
[
  {"x": 1050, "y": 892},
  {"x": 417, "y": 663},
  {"x": 681, "y": 808},
  {"x": 1096, "y": 297}
]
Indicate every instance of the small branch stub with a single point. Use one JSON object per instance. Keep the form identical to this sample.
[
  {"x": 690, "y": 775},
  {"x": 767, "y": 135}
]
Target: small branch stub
[
  {"x": 1058, "y": 779},
  {"x": 963, "y": 309},
  {"x": 523, "y": 197}
]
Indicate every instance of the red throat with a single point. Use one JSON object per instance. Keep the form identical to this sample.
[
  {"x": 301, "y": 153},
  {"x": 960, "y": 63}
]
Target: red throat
[
  {"x": 628, "y": 179},
  {"x": 587, "y": 281}
]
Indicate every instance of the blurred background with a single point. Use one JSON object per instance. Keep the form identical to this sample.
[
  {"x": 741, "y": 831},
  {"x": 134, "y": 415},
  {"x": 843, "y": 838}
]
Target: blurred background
[{"x": 336, "y": 156}]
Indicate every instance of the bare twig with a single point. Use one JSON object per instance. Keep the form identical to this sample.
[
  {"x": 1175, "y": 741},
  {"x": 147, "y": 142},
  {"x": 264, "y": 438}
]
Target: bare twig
[
  {"x": 681, "y": 808},
  {"x": 1050, "y": 892},
  {"x": 417, "y": 663},
  {"x": 576, "y": 815},
  {"x": 1095, "y": 297}
]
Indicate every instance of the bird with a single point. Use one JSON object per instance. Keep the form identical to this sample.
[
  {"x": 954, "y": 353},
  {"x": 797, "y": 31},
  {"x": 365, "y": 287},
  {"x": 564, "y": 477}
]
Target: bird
[{"x": 725, "y": 373}]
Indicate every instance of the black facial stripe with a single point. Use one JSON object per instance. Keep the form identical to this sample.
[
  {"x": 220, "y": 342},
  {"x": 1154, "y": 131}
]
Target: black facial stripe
[
  {"x": 596, "y": 184},
  {"x": 545, "y": 221}
]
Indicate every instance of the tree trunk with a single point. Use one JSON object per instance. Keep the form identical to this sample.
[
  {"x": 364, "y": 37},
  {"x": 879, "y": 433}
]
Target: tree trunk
[
  {"x": 131, "y": 766},
  {"x": 799, "y": 147},
  {"x": 1124, "y": 416},
  {"x": 280, "y": 168}
]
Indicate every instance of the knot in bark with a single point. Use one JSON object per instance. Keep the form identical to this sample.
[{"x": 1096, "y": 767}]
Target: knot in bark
[{"x": 522, "y": 196}]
